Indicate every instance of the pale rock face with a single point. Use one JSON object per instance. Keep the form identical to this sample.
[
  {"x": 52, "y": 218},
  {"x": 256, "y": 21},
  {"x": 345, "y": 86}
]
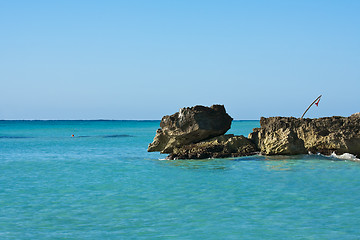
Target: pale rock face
[
  {"x": 356, "y": 115},
  {"x": 282, "y": 142},
  {"x": 289, "y": 136}
]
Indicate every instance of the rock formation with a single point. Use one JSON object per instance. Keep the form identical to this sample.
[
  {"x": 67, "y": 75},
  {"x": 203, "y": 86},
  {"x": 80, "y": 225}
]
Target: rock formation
[
  {"x": 290, "y": 136},
  {"x": 190, "y": 125},
  {"x": 223, "y": 146},
  {"x": 198, "y": 132}
]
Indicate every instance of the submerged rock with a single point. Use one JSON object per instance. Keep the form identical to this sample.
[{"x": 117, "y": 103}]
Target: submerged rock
[
  {"x": 190, "y": 125},
  {"x": 290, "y": 136},
  {"x": 219, "y": 147}
]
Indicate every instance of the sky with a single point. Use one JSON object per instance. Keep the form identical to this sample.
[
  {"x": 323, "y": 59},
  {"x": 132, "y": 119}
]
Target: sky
[{"x": 114, "y": 59}]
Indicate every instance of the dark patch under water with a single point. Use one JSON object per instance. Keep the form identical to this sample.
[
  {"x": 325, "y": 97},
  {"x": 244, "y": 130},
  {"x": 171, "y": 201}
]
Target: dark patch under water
[
  {"x": 117, "y": 136},
  {"x": 101, "y": 136},
  {"x": 14, "y": 137},
  {"x": 109, "y": 136}
]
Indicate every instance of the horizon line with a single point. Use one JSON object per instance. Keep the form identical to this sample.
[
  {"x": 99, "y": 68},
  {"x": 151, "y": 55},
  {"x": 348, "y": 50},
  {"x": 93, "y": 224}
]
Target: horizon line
[{"x": 103, "y": 119}]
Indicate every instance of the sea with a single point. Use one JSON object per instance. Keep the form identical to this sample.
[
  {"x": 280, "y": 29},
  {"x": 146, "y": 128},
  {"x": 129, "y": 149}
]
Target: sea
[{"x": 96, "y": 180}]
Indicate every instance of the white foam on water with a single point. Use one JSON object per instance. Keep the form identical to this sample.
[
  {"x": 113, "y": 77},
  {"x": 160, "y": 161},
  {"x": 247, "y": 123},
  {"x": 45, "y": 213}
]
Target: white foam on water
[{"x": 345, "y": 156}]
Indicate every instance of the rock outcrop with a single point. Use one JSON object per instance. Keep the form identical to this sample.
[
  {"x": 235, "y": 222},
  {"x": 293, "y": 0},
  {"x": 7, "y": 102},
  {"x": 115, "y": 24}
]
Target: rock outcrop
[
  {"x": 223, "y": 146},
  {"x": 290, "y": 136},
  {"x": 198, "y": 133},
  {"x": 190, "y": 125}
]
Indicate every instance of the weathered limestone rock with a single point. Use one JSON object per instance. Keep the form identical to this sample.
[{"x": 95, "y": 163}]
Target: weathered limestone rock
[
  {"x": 218, "y": 147},
  {"x": 355, "y": 115},
  {"x": 281, "y": 141},
  {"x": 190, "y": 125},
  {"x": 198, "y": 132},
  {"x": 289, "y": 136}
]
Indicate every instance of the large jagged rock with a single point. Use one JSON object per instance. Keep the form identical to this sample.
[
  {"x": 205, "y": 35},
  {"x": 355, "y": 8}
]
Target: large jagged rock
[
  {"x": 289, "y": 136},
  {"x": 190, "y": 125},
  {"x": 223, "y": 146}
]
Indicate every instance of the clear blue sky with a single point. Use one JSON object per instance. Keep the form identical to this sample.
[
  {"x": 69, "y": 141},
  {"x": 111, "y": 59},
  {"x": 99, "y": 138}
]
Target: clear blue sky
[{"x": 145, "y": 59}]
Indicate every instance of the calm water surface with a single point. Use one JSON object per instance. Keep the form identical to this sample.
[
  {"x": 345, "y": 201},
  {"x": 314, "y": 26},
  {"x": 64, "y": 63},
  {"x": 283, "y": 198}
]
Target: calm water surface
[{"x": 102, "y": 183}]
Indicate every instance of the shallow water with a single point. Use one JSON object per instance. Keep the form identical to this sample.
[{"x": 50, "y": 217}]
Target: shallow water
[{"x": 102, "y": 183}]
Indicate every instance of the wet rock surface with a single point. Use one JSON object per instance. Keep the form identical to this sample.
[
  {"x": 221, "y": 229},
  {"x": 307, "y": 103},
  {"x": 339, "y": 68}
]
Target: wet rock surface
[{"x": 224, "y": 146}]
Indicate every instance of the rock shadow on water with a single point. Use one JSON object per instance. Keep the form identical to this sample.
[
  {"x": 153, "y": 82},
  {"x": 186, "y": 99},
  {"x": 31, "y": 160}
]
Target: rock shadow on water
[
  {"x": 202, "y": 164},
  {"x": 211, "y": 163},
  {"x": 256, "y": 157},
  {"x": 278, "y": 163},
  {"x": 294, "y": 163},
  {"x": 300, "y": 157}
]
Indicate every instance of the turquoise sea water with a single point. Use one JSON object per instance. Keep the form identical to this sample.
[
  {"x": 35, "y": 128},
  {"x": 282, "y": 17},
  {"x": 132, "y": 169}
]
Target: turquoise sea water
[{"x": 103, "y": 184}]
